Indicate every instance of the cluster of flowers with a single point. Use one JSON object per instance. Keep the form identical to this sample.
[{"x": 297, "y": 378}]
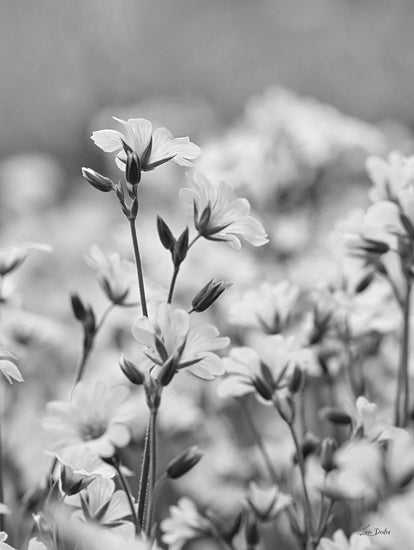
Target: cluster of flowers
[{"x": 300, "y": 352}]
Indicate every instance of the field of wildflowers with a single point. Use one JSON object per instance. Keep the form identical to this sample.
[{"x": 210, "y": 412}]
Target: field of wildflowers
[{"x": 209, "y": 346}]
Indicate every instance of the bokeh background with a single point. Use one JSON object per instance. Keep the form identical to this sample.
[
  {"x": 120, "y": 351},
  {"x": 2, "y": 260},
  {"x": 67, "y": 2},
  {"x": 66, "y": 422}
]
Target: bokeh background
[{"x": 286, "y": 99}]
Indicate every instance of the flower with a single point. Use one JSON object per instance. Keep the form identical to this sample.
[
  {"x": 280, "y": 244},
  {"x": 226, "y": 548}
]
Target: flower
[
  {"x": 8, "y": 367},
  {"x": 268, "y": 307},
  {"x": 114, "y": 273},
  {"x": 82, "y": 461},
  {"x": 169, "y": 339},
  {"x": 369, "y": 423},
  {"x": 266, "y": 502},
  {"x": 94, "y": 418},
  {"x": 389, "y": 176},
  {"x": 100, "y": 502},
  {"x": 220, "y": 217},
  {"x": 3, "y": 543},
  {"x": 12, "y": 258},
  {"x": 340, "y": 542},
  {"x": 264, "y": 369},
  {"x": 184, "y": 524},
  {"x": 152, "y": 147}
]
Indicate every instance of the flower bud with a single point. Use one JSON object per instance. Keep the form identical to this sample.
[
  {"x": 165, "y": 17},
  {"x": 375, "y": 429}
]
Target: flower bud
[
  {"x": 184, "y": 462},
  {"x": 133, "y": 168},
  {"x": 164, "y": 232},
  {"x": 336, "y": 416},
  {"x": 309, "y": 445},
  {"x": 208, "y": 295},
  {"x": 295, "y": 382},
  {"x": 181, "y": 248},
  {"x": 97, "y": 180},
  {"x": 131, "y": 371},
  {"x": 365, "y": 282},
  {"x": 78, "y": 308},
  {"x": 375, "y": 247},
  {"x": 327, "y": 454},
  {"x": 72, "y": 483}
]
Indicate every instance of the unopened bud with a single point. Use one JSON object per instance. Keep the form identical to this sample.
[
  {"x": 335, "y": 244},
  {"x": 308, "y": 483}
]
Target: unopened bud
[
  {"x": 133, "y": 168},
  {"x": 131, "y": 371},
  {"x": 365, "y": 282},
  {"x": 97, "y": 180},
  {"x": 327, "y": 454},
  {"x": 184, "y": 462},
  {"x": 181, "y": 248},
  {"x": 78, "y": 307},
  {"x": 375, "y": 247},
  {"x": 336, "y": 416},
  {"x": 295, "y": 382},
  {"x": 72, "y": 483},
  {"x": 310, "y": 444},
  {"x": 165, "y": 234},
  {"x": 208, "y": 295}
]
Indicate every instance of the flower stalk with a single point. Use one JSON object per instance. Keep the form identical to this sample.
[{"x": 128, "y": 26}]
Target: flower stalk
[{"x": 402, "y": 404}]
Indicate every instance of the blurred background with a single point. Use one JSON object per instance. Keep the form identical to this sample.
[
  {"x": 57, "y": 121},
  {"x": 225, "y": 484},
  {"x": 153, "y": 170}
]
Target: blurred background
[{"x": 286, "y": 99}]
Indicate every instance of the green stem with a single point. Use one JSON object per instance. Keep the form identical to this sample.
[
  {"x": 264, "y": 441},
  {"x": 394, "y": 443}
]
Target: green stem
[
  {"x": 143, "y": 482},
  {"x": 402, "y": 404},
  {"x": 139, "y": 266},
  {"x": 152, "y": 505},
  {"x": 125, "y": 487},
  {"x": 172, "y": 284}
]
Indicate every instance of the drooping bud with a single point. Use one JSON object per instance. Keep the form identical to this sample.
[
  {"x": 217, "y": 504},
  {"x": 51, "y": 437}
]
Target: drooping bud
[
  {"x": 181, "y": 248},
  {"x": 184, "y": 462},
  {"x": 72, "y": 483},
  {"x": 131, "y": 371},
  {"x": 295, "y": 382},
  {"x": 327, "y": 454},
  {"x": 336, "y": 416},
  {"x": 165, "y": 234},
  {"x": 97, "y": 180},
  {"x": 132, "y": 168},
  {"x": 209, "y": 294}
]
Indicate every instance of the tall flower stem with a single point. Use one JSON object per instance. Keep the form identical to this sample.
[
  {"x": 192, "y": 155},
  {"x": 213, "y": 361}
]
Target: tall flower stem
[
  {"x": 402, "y": 404},
  {"x": 138, "y": 263},
  {"x": 1, "y": 460},
  {"x": 125, "y": 487},
  {"x": 301, "y": 463}
]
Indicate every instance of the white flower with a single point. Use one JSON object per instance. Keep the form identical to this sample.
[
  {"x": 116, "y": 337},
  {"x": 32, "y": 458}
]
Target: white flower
[
  {"x": 266, "y": 502},
  {"x": 153, "y": 147},
  {"x": 169, "y": 337},
  {"x": 82, "y": 461},
  {"x": 94, "y": 418},
  {"x": 3, "y": 543},
  {"x": 268, "y": 307},
  {"x": 265, "y": 368},
  {"x": 340, "y": 542},
  {"x": 35, "y": 544},
  {"x": 184, "y": 524},
  {"x": 12, "y": 258},
  {"x": 389, "y": 176},
  {"x": 101, "y": 503},
  {"x": 114, "y": 273},
  {"x": 370, "y": 423},
  {"x": 8, "y": 367},
  {"x": 218, "y": 216}
]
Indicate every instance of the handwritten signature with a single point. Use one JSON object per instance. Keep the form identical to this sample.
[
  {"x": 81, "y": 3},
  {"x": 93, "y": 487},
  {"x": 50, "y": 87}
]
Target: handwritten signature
[{"x": 369, "y": 531}]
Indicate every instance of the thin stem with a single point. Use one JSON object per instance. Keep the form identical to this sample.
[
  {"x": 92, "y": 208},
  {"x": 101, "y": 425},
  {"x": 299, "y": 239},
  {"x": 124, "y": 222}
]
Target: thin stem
[
  {"x": 194, "y": 240},
  {"x": 125, "y": 487},
  {"x": 152, "y": 505},
  {"x": 143, "y": 482},
  {"x": 402, "y": 404},
  {"x": 153, "y": 421},
  {"x": 301, "y": 463},
  {"x": 172, "y": 284},
  {"x": 139, "y": 266},
  {"x": 1, "y": 462}
]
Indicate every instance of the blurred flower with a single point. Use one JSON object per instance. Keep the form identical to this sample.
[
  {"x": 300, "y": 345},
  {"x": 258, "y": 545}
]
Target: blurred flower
[
  {"x": 82, "y": 461},
  {"x": 170, "y": 338},
  {"x": 268, "y": 307},
  {"x": 94, "y": 418},
  {"x": 35, "y": 544},
  {"x": 264, "y": 369},
  {"x": 340, "y": 542},
  {"x": 152, "y": 147},
  {"x": 114, "y": 273},
  {"x": 184, "y": 524},
  {"x": 369, "y": 423},
  {"x": 100, "y": 502},
  {"x": 8, "y": 367},
  {"x": 266, "y": 502},
  {"x": 220, "y": 217},
  {"x": 389, "y": 176},
  {"x": 12, "y": 258},
  {"x": 3, "y": 543}
]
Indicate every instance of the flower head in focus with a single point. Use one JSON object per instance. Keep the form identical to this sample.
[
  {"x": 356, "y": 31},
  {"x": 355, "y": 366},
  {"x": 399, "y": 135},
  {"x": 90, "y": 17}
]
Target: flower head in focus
[
  {"x": 151, "y": 148},
  {"x": 268, "y": 307},
  {"x": 95, "y": 418},
  {"x": 82, "y": 461},
  {"x": 340, "y": 542},
  {"x": 218, "y": 216},
  {"x": 12, "y": 258},
  {"x": 184, "y": 524},
  {"x": 114, "y": 274},
  {"x": 170, "y": 342}
]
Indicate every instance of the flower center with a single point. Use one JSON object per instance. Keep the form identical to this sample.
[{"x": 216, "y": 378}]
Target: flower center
[{"x": 93, "y": 430}]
